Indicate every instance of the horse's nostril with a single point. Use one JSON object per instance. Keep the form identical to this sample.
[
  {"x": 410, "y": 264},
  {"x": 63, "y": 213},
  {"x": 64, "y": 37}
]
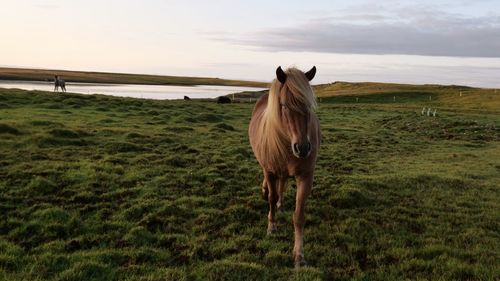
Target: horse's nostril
[
  {"x": 304, "y": 147},
  {"x": 301, "y": 150}
]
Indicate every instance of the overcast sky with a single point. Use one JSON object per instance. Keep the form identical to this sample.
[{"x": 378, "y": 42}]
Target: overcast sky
[{"x": 445, "y": 42}]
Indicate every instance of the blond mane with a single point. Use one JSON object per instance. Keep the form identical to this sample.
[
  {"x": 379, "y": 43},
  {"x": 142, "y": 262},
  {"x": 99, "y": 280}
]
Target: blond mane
[{"x": 297, "y": 94}]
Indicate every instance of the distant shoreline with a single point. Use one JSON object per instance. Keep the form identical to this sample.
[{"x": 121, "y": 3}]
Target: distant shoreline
[
  {"x": 47, "y": 75},
  {"x": 161, "y": 92}
]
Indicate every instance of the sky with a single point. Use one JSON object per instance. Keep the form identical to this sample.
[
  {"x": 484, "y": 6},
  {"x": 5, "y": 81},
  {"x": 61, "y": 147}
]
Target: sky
[{"x": 439, "y": 42}]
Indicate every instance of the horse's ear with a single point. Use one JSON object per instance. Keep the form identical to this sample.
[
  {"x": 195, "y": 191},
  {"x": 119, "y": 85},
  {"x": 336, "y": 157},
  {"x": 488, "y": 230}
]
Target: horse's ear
[
  {"x": 280, "y": 74},
  {"x": 310, "y": 74}
]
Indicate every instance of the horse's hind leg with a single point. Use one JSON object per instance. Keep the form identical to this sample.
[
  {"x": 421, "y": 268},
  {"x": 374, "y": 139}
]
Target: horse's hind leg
[
  {"x": 265, "y": 190},
  {"x": 281, "y": 191},
  {"x": 272, "y": 198}
]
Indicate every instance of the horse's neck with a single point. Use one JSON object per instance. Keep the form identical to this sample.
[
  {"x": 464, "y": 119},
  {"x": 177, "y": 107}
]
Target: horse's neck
[
  {"x": 273, "y": 122},
  {"x": 276, "y": 125}
]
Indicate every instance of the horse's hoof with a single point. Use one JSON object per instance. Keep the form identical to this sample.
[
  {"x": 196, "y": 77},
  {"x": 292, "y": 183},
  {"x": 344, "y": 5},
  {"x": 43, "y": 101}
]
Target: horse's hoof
[
  {"x": 280, "y": 207},
  {"x": 300, "y": 263},
  {"x": 271, "y": 228}
]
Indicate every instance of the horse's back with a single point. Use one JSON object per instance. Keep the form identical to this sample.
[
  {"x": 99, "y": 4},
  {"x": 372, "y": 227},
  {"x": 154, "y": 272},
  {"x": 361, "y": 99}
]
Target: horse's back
[{"x": 255, "y": 121}]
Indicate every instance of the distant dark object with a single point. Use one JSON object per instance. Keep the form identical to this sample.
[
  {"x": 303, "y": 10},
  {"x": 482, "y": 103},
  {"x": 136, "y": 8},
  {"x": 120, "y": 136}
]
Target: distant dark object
[
  {"x": 186, "y": 98},
  {"x": 59, "y": 83},
  {"x": 223, "y": 99}
]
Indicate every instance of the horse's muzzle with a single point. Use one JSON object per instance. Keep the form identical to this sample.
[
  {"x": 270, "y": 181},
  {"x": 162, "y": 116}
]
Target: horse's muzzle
[{"x": 301, "y": 150}]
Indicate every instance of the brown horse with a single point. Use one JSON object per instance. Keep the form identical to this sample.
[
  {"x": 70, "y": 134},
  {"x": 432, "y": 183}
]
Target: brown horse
[{"x": 285, "y": 137}]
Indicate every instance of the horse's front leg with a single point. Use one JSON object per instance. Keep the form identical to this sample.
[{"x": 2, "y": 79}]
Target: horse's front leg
[
  {"x": 272, "y": 198},
  {"x": 304, "y": 186}
]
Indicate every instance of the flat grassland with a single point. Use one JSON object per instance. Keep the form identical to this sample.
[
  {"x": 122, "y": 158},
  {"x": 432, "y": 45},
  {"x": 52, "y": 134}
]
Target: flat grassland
[
  {"x": 117, "y": 78},
  {"x": 106, "y": 188}
]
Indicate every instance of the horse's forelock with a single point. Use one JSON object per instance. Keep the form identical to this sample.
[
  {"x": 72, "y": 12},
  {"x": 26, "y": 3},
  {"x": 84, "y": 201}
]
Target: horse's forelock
[{"x": 299, "y": 94}]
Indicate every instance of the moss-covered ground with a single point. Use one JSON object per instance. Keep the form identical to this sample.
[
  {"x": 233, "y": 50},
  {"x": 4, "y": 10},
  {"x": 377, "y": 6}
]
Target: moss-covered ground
[{"x": 107, "y": 188}]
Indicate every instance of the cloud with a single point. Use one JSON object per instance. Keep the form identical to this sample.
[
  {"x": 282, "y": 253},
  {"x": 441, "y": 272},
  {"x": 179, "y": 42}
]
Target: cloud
[{"x": 408, "y": 30}]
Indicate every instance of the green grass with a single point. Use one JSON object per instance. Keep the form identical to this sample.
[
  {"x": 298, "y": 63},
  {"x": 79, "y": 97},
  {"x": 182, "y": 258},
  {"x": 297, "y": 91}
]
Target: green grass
[
  {"x": 448, "y": 97},
  {"x": 107, "y": 188},
  {"x": 116, "y": 78}
]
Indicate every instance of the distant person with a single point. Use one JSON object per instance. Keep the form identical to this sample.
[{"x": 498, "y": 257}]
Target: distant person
[{"x": 59, "y": 82}]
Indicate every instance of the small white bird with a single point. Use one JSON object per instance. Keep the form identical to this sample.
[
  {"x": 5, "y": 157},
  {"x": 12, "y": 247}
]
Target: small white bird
[
  {"x": 429, "y": 112},
  {"x": 423, "y": 111},
  {"x": 434, "y": 114}
]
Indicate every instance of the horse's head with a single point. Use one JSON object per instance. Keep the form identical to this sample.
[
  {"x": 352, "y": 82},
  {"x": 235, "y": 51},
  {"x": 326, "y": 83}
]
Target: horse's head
[{"x": 296, "y": 101}]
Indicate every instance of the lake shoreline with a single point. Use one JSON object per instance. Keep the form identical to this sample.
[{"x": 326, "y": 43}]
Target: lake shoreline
[
  {"x": 155, "y": 92},
  {"x": 47, "y": 75}
]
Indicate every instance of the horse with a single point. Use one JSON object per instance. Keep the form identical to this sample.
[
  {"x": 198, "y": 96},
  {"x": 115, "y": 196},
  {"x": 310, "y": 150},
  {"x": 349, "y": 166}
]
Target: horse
[
  {"x": 59, "y": 82},
  {"x": 284, "y": 134}
]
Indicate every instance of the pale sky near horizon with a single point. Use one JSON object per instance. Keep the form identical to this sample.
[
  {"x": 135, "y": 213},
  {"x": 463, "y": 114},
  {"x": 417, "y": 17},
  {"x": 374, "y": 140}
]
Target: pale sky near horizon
[{"x": 443, "y": 42}]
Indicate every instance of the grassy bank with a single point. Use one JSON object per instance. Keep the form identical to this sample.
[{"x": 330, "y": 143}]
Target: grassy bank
[
  {"x": 117, "y": 78},
  {"x": 106, "y": 188}
]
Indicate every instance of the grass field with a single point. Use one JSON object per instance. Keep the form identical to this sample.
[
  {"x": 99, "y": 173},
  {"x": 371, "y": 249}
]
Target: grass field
[
  {"x": 26, "y": 74},
  {"x": 106, "y": 188}
]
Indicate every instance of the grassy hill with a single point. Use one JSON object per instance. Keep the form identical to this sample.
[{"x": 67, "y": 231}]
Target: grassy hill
[
  {"x": 105, "y": 188},
  {"x": 116, "y": 78},
  {"x": 436, "y": 95}
]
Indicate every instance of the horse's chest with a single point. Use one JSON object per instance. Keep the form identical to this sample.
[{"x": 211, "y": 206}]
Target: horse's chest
[{"x": 296, "y": 167}]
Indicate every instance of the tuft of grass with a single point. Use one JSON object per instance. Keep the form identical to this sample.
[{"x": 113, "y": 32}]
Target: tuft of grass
[
  {"x": 350, "y": 197},
  {"x": 224, "y": 126},
  {"x": 115, "y": 147},
  {"x": 208, "y": 117},
  {"x": 40, "y": 185},
  {"x": 87, "y": 271},
  {"x": 7, "y": 129},
  {"x": 45, "y": 123},
  {"x": 57, "y": 141},
  {"x": 63, "y": 133},
  {"x": 225, "y": 270}
]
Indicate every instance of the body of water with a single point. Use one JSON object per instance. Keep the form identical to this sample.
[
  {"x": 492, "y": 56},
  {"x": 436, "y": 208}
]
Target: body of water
[{"x": 160, "y": 92}]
